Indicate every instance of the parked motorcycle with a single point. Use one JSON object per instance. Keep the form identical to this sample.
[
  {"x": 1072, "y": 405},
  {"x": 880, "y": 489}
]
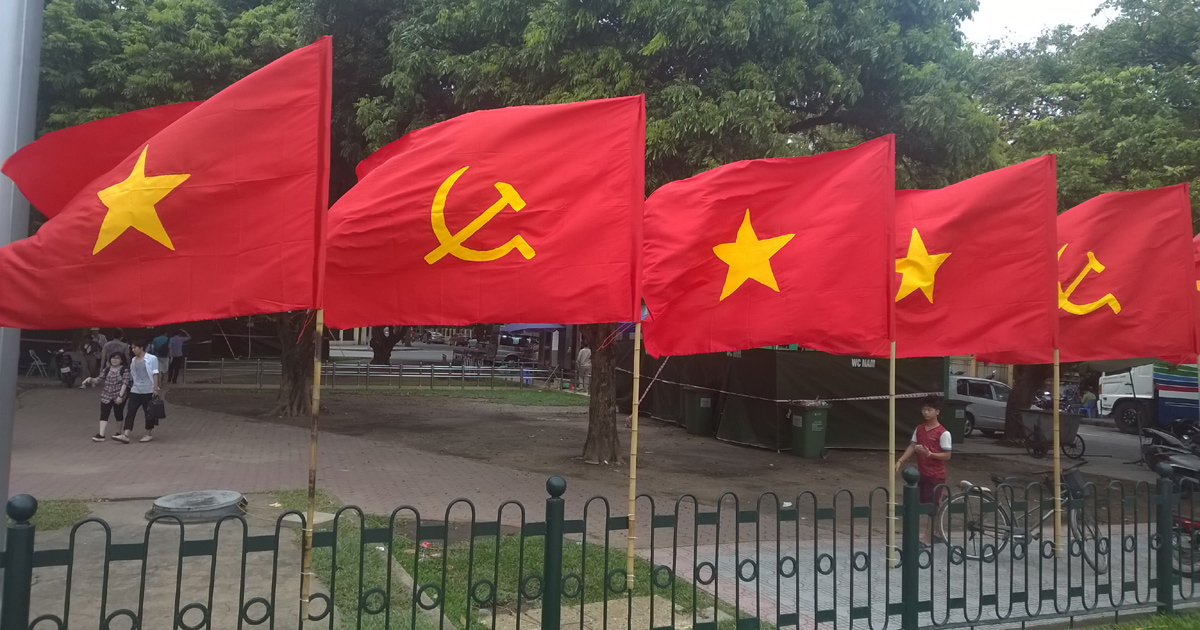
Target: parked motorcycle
[
  {"x": 68, "y": 368},
  {"x": 1182, "y": 435},
  {"x": 1183, "y": 461}
]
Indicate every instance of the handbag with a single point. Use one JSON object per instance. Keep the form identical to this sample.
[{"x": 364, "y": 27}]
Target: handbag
[{"x": 157, "y": 409}]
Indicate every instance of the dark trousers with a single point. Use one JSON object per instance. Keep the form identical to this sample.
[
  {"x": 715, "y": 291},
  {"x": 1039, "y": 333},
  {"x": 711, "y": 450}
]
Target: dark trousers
[
  {"x": 176, "y": 367},
  {"x": 139, "y": 401},
  {"x": 107, "y": 407}
]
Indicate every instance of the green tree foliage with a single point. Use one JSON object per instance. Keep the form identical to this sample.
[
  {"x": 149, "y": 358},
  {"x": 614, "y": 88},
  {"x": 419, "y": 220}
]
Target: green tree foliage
[
  {"x": 724, "y": 79},
  {"x": 106, "y": 57},
  {"x": 1120, "y": 105}
]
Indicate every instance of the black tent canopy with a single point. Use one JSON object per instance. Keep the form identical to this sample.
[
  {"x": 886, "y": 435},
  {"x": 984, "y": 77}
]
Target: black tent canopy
[{"x": 752, "y": 390}]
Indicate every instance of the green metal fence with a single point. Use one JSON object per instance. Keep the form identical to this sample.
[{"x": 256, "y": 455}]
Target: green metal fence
[{"x": 801, "y": 561}]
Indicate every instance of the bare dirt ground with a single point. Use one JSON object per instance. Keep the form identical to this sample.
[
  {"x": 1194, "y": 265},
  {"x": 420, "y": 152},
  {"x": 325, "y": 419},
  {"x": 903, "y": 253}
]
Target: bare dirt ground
[{"x": 549, "y": 440}]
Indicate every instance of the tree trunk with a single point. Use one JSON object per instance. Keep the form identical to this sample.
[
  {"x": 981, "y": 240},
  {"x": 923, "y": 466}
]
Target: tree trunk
[
  {"x": 296, "y": 364},
  {"x": 603, "y": 446},
  {"x": 1027, "y": 381},
  {"x": 383, "y": 340}
]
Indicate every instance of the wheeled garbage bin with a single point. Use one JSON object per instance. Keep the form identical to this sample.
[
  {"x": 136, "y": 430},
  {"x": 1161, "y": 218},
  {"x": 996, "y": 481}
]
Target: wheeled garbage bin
[
  {"x": 810, "y": 423},
  {"x": 698, "y": 411}
]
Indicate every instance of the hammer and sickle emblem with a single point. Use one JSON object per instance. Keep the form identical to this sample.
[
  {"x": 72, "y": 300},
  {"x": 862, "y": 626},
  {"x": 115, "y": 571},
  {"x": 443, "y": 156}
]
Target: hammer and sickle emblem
[
  {"x": 1064, "y": 297},
  {"x": 452, "y": 244}
]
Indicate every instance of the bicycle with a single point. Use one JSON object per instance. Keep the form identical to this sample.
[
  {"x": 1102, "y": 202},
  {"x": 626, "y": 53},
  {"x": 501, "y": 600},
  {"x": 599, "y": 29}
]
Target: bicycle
[{"x": 986, "y": 519}]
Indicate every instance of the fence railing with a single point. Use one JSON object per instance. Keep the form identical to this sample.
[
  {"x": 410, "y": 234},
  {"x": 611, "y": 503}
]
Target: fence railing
[
  {"x": 804, "y": 561},
  {"x": 363, "y": 375}
]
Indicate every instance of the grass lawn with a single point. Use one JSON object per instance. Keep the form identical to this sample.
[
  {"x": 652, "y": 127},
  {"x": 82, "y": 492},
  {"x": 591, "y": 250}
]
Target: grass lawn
[
  {"x": 516, "y": 396},
  {"x": 59, "y": 513},
  {"x": 465, "y": 582},
  {"x": 1182, "y": 622}
]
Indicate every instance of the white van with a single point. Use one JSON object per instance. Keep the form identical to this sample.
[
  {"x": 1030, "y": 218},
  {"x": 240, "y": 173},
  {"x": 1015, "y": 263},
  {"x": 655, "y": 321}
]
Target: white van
[{"x": 986, "y": 400}]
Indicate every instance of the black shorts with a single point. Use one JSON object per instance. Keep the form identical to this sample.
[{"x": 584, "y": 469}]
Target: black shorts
[{"x": 933, "y": 491}]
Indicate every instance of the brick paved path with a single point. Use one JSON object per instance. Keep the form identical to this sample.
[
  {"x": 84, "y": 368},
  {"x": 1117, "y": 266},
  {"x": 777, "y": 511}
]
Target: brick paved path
[{"x": 54, "y": 457}]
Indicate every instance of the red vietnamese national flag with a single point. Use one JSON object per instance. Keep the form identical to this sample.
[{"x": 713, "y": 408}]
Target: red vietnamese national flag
[
  {"x": 1127, "y": 280},
  {"x": 967, "y": 259},
  {"x": 105, "y": 143},
  {"x": 209, "y": 210},
  {"x": 520, "y": 214},
  {"x": 774, "y": 251}
]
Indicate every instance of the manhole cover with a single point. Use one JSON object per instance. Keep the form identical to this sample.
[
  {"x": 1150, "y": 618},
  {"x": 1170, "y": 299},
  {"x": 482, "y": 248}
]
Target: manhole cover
[{"x": 199, "y": 506}]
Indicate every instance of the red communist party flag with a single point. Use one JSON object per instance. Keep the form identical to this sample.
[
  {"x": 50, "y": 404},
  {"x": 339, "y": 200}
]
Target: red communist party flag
[
  {"x": 774, "y": 251},
  {"x": 189, "y": 212},
  {"x": 967, "y": 257},
  {"x": 520, "y": 214},
  {"x": 1126, "y": 280}
]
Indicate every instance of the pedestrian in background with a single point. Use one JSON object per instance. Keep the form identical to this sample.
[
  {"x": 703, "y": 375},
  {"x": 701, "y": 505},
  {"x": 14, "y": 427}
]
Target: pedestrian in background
[
  {"x": 160, "y": 347},
  {"x": 114, "y": 381},
  {"x": 177, "y": 359},
  {"x": 117, "y": 344},
  {"x": 146, "y": 386},
  {"x": 91, "y": 358},
  {"x": 583, "y": 365}
]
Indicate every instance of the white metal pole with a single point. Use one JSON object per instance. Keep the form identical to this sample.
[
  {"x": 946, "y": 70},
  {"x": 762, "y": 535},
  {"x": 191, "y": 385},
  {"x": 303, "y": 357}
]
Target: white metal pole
[{"x": 20, "y": 47}]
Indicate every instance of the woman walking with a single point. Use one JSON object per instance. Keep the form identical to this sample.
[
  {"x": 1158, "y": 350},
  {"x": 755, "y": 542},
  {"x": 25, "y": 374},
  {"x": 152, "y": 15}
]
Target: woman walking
[
  {"x": 114, "y": 381},
  {"x": 146, "y": 382}
]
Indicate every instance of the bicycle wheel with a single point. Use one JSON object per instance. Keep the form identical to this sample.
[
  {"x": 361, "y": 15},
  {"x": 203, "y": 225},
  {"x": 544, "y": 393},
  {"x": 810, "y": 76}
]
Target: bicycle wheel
[
  {"x": 1075, "y": 449},
  {"x": 977, "y": 522},
  {"x": 1082, "y": 527}
]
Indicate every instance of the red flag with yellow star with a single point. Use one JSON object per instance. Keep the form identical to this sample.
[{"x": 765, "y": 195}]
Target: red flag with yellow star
[
  {"x": 209, "y": 210},
  {"x": 774, "y": 251},
  {"x": 969, "y": 259}
]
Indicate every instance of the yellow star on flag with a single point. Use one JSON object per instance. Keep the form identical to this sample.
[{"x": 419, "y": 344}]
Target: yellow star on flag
[
  {"x": 918, "y": 268},
  {"x": 749, "y": 258},
  {"x": 131, "y": 205}
]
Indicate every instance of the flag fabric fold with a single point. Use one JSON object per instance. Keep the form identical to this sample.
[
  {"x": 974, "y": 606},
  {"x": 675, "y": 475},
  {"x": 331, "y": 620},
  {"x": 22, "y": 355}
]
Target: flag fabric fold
[
  {"x": 179, "y": 213},
  {"x": 774, "y": 251},
  {"x": 968, "y": 260},
  {"x": 1126, "y": 280},
  {"x": 529, "y": 213}
]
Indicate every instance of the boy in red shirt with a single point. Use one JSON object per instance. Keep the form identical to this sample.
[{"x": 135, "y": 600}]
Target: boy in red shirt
[{"x": 931, "y": 443}]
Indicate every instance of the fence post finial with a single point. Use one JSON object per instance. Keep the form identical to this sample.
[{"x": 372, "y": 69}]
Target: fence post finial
[
  {"x": 552, "y": 569},
  {"x": 18, "y": 563}
]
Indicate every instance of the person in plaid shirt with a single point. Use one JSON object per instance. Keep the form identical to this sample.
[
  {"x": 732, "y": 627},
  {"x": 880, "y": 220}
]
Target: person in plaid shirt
[{"x": 114, "y": 380}]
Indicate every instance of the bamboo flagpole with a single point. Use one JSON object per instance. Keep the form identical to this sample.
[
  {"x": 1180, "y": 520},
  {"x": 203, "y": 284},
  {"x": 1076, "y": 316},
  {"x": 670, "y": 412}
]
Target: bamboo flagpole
[
  {"x": 314, "y": 417},
  {"x": 633, "y": 449},
  {"x": 891, "y": 521},
  {"x": 1058, "y": 549}
]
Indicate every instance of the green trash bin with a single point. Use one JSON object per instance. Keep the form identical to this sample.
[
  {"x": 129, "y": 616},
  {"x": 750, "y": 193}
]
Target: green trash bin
[
  {"x": 810, "y": 423},
  {"x": 697, "y": 411},
  {"x": 953, "y": 416}
]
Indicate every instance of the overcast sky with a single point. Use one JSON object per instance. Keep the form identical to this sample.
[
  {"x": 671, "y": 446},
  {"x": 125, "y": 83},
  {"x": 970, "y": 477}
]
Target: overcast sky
[{"x": 1024, "y": 20}]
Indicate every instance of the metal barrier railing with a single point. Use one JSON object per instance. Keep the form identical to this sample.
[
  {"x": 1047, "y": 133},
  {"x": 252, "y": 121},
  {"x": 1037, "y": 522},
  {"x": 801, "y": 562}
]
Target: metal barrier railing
[
  {"x": 344, "y": 374},
  {"x": 805, "y": 562}
]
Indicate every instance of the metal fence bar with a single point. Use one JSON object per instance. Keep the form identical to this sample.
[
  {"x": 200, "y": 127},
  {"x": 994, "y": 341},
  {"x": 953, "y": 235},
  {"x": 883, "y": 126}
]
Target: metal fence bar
[
  {"x": 812, "y": 562},
  {"x": 1165, "y": 499}
]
